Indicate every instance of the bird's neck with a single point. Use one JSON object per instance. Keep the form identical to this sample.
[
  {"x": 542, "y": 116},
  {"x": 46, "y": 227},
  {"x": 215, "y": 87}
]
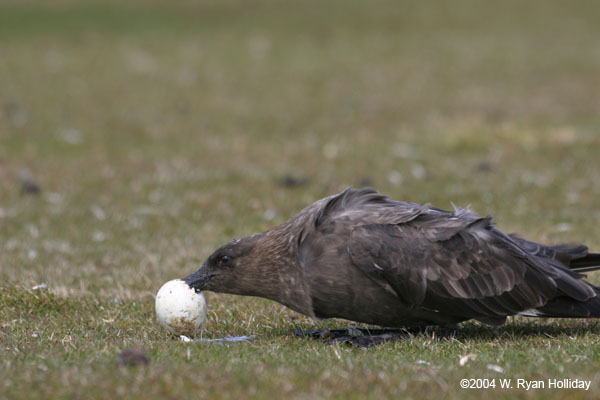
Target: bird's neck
[{"x": 281, "y": 274}]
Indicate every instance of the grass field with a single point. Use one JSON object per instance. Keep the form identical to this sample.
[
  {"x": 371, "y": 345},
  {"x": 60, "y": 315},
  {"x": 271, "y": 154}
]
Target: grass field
[{"x": 157, "y": 132}]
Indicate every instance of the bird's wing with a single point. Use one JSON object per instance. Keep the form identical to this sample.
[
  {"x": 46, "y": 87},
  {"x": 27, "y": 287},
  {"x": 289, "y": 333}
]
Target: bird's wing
[
  {"x": 365, "y": 205},
  {"x": 576, "y": 258},
  {"x": 459, "y": 263},
  {"x": 453, "y": 262}
]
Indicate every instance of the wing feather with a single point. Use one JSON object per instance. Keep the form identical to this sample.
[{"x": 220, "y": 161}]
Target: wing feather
[{"x": 473, "y": 271}]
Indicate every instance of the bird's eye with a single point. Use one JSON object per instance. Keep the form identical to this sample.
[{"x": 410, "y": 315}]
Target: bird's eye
[{"x": 223, "y": 260}]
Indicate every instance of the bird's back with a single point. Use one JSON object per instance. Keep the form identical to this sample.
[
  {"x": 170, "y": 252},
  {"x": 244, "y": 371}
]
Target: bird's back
[{"x": 370, "y": 259}]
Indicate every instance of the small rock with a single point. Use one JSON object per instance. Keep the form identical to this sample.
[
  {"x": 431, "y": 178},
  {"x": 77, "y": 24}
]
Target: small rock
[
  {"x": 132, "y": 358},
  {"x": 28, "y": 187},
  {"x": 291, "y": 181}
]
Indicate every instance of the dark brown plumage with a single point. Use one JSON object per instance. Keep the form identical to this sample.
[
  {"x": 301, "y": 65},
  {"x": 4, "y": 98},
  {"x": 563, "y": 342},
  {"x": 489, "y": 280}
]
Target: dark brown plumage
[{"x": 360, "y": 256}]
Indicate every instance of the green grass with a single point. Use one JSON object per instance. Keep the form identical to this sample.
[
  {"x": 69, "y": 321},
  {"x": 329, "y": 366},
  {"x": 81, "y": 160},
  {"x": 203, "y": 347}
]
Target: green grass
[{"x": 157, "y": 132}]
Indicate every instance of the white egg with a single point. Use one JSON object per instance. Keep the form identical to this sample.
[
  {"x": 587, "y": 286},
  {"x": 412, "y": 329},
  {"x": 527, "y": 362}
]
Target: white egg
[{"x": 180, "y": 309}]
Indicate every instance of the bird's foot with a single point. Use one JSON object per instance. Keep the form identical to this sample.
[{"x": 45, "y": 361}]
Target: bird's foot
[{"x": 366, "y": 337}]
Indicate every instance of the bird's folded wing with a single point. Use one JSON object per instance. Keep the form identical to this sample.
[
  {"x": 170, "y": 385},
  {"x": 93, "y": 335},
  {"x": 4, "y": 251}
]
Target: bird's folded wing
[{"x": 426, "y": 265}]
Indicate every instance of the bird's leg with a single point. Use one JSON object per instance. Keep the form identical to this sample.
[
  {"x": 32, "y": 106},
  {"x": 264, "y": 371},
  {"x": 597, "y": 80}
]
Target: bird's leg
[{"x": 369, "y": 337}]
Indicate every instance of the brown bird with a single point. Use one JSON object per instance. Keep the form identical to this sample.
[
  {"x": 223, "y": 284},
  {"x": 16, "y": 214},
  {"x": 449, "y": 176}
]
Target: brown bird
[{"x": 361, "y": 256}]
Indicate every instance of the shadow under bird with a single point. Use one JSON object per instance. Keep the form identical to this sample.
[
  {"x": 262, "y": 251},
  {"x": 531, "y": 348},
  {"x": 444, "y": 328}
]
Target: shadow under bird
[{"x": 360, "y": 256}]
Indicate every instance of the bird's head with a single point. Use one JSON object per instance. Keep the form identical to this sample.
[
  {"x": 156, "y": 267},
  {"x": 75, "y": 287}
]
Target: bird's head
[
  {"x": 229, "y": 269},
  {"x": 264, "y": 265}
]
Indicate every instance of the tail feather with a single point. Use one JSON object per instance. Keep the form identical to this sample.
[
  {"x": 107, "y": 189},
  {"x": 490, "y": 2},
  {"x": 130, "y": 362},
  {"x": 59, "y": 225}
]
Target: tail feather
[
  {"x": 590, "y": 262},
  {"x": 565, "y": 307},
  {"x": 576, "y": 258}
]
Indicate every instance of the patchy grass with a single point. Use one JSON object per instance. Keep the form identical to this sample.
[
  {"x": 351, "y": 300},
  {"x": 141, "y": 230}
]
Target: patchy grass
[{"x": 157, "y": 132}]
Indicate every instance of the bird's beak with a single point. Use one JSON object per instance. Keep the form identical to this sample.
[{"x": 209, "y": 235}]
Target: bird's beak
[{"x": 198, "y": 279}]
